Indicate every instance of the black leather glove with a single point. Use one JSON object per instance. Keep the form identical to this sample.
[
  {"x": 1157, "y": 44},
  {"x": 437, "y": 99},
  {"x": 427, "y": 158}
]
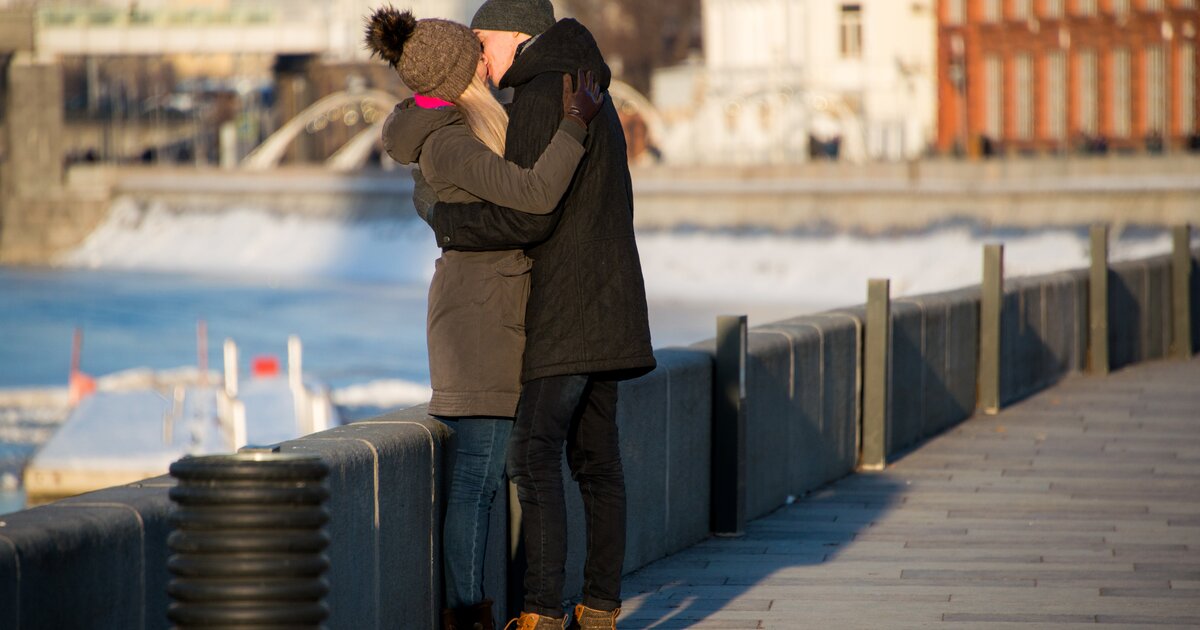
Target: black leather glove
[
  {"x": 424, "y": 196},
  {"x": 582, "y": 103}
]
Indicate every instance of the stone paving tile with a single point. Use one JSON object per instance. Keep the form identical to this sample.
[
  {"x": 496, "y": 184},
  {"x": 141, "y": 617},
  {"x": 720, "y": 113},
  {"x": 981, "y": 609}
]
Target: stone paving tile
[
  {"x": 942, "y": 556},
  {"x": 1089, "y": 605},
  {"x": 1126, "y": 620},
  {"x": 675, "y": 602},
  {"x": 817, "y": 593},
  {"x": 1151, "y": 593},
  {"x": 1080, "y": 505},
  {"x": 1023, "y": 618},
  {"x": 639, "y": 623}
]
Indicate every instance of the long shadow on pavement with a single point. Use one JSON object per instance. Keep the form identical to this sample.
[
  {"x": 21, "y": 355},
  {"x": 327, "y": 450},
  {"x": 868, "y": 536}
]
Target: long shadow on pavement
[{"x": 780, "y": 549}]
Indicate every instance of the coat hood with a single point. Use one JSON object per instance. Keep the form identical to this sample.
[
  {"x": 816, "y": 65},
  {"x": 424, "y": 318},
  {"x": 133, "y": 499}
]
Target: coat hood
[
  {"x": 408, "y": 126},
  {"x": 565, "y": 48}
]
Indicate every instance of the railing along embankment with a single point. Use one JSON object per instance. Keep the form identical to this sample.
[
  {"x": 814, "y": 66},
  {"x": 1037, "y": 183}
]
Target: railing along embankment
[{"x": 721, "y": 433}]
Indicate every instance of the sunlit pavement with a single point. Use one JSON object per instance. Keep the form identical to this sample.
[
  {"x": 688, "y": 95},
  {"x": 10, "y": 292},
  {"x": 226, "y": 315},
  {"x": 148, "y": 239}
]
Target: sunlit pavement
[{"x": 1080, "y": 505}]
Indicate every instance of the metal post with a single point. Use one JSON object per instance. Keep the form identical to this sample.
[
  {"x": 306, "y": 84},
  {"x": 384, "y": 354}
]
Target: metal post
[
  {"x": 728, "y": 513},
  {"x": 295, "y": 364},
  {"x": 1098, "y": 303},
  {"x": 231, "y": 369},
  {"x": 202, "y": 350},
  {"x": 991, "y": 306},
  {"x": 1181, "y": 283},
  {"x": 300, "y": 399},
  {"x": 875, "y": 375}
]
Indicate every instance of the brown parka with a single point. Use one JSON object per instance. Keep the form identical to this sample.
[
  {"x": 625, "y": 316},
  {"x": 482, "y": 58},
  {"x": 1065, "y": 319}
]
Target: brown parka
[{"x": 476, "y": 321}]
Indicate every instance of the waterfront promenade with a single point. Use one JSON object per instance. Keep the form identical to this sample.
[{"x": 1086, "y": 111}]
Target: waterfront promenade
[{"x": 1079, "y": 505}]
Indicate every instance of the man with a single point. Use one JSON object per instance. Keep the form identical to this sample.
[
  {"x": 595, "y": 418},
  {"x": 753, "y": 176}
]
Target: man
[{"x": 586, "y": 323}]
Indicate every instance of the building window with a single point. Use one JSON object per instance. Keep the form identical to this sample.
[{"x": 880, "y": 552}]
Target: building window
[
  {"x": 1088, "y": 87},
  {"x": 1023, "y": 69},
  {"x": 991, "y": 10},
  {"x": 1085, "y": 7},
  {"x": 1187, "y": 89},
  {"x": 1056, "y": 95},
  {"x": 993, "y": 69},
  {"x": 1120, "y": 93},
  {"x": 852, "y": 31},
  {"x": 955, "y": 11},
  {"x": 764, "y": 116},
  {"x": 1120, "y": 8},
  {"x": 1153, "y": 5},
  {"x": 1022, "y": 9},
  {"x": 1054, "y": 8},
  {"x": 1156, "y": 97},
  {"x": 1187, "y": 4}
]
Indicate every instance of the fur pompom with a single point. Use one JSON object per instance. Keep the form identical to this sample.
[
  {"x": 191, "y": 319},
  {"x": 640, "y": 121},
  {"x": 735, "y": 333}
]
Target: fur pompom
[{"x": 386, "y": 32}]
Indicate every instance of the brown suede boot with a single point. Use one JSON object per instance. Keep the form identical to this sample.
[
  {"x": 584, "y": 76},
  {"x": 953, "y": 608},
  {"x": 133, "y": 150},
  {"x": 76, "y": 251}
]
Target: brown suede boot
[
  {"x": 476, "y": 617},
  {"x": 531, "y": 621},
  {"x": 591, "y": 619}
]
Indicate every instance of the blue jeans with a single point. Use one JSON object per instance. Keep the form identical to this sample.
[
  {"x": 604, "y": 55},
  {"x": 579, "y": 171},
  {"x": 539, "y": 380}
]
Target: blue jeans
[{"x": 478, "y": 473}]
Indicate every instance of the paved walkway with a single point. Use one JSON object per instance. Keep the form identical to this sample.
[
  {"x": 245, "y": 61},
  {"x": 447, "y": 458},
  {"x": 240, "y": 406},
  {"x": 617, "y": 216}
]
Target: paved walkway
[{"x": 1080, "y": 505}]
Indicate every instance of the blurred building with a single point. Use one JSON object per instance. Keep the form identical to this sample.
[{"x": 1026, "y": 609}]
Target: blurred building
[
  {"x": 786, "y": 81},
  {"x": 341, "y": 19},
  {"x": 1057, "y": 75},
  {"x": 146, "y": 80}
]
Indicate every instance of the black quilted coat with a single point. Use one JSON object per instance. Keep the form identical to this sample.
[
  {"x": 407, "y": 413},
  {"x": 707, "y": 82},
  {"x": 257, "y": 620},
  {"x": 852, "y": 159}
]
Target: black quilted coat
[{"x": 587, "y": 304}]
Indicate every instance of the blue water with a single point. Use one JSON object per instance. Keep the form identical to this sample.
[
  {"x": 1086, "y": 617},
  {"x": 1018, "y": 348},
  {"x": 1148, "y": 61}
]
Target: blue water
[{"x": 351, "y": 332}]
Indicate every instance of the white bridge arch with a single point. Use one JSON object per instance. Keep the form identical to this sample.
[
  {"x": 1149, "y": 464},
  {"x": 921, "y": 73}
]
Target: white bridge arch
[
  {"x": 352, "y": 155},
  {"x": 625, "y": 95},
  {"x": 355, "y": 153}
]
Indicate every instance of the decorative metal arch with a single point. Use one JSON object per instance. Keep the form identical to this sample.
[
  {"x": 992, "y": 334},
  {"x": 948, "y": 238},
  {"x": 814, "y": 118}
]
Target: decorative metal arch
[
  {"x": 625, "y": 95},
  {"x": 351, "y": 156},
  {"x": 854, "y": 140},
  {"x": 357, "y": 150},
  {"x": 854, "y": 145}
]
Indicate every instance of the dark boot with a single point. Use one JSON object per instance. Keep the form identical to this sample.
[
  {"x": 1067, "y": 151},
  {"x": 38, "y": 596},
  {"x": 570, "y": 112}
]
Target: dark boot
[
  {"x": 591, "y": 619},
  {"x": 476, "y": 617}
]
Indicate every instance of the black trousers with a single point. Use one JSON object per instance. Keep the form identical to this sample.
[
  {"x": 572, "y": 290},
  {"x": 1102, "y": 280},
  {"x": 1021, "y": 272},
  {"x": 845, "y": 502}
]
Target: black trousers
[{"x": 578, "y": 411}]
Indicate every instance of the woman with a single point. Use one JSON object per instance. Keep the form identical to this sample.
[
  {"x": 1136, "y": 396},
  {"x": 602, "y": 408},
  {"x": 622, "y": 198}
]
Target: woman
[{"x": 455, "y": 131}]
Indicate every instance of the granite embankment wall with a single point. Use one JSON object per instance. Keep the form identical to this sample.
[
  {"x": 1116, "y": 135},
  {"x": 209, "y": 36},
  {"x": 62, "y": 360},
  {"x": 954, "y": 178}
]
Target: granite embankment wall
[{"x": 99, "y": 560}]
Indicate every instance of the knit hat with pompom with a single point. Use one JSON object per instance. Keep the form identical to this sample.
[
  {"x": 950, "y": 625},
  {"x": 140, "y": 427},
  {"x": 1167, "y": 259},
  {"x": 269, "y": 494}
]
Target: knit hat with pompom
[{"x": 433, "y": 57}]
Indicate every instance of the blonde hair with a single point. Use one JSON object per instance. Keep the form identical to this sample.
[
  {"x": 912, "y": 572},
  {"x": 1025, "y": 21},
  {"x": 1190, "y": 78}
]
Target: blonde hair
[{"x": 485, "y": 115}]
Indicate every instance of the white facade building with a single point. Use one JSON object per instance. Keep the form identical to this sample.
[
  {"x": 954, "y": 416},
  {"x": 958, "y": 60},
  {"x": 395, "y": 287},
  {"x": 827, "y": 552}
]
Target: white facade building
[{"x": 779, "y": 73}]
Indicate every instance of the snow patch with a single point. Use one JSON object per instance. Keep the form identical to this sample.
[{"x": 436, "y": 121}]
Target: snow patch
[
  {"x": 243, "y": 241},
  {"x": 383, "y": 393}
]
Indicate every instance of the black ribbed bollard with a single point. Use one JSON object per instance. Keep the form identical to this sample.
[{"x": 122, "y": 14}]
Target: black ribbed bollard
[{"x": 247, "y": 550}]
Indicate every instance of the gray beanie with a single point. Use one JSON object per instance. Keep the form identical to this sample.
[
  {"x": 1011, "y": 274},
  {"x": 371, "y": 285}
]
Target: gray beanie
[
  {"x": 433, "y": 57},
  {"x": 532, "y": 17}
]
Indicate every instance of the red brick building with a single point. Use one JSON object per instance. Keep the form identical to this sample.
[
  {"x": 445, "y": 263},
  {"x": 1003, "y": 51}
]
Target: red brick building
[{"x": 1055, "y": 75}]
